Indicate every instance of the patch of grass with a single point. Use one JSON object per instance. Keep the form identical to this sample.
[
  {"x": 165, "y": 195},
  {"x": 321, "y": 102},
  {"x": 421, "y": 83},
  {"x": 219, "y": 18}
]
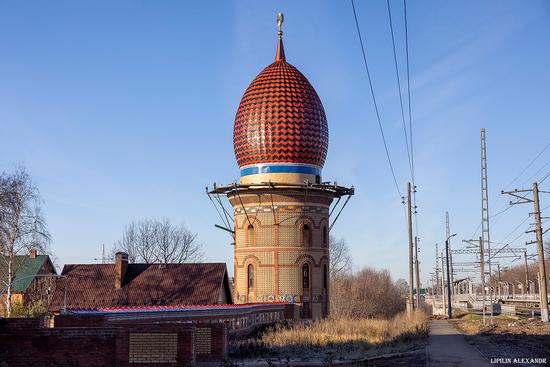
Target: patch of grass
[
  {"x": 457, "y": 313},
  {"x": 335, "y": 338},
  {"x": 471, "y": 316},
  {"x": 506, "y": 318}
]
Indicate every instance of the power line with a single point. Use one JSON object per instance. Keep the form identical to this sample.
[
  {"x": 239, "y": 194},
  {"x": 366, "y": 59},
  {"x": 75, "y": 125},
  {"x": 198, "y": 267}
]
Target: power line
[
  {"x": 514, "y": 230},
  {"x": 410, "y": 114},
  {"x": 409, "y": 88},
  {"x": 514, "y": 180},
  {"x": 535, "y": 174},
  {"x": 374, "y": 99},
  {"x": 399, "y": 88},
  {"x": 529, "y": 165},
  {"x": 544, "y": 178},
  {"x": 518, "y": 226}
]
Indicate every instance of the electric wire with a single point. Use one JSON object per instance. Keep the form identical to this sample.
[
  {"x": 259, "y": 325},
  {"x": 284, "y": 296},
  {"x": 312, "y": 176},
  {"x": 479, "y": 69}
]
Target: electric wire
[
  {"x": 545, "y": 177},
  {"x": 410, "y": 116},
  {"x": 374, "y": 99},
  {"x": 534, "y": 174},
  {"x": 529, "y": 165},
  {"x": 409, "y": 87},
  {"x": 516, "y": 178},
  {"x": 399, "y": 88}
]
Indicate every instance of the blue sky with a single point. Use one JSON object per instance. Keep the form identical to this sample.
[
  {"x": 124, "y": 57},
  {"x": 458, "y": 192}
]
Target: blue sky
[{"x": 124, "y": 110}]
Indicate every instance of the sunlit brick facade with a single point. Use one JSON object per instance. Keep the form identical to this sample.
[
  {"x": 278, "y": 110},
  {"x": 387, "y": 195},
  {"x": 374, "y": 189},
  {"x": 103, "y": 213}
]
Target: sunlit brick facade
[{"x": 284, "y": 254}]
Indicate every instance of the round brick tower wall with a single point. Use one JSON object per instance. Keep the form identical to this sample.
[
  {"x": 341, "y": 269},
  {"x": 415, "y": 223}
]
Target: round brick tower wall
[{"x": 282, "y": 247}]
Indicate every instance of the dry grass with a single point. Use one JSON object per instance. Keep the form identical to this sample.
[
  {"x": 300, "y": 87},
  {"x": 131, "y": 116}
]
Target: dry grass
[
  {"x": 333, "y": 331},
  {"x": 339, "y": 337}
]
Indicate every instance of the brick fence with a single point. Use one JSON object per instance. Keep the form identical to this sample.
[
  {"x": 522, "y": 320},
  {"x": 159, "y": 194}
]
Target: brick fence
[
  {"x": 130, "y": 337},
  {"x": 26, "y": 342}
]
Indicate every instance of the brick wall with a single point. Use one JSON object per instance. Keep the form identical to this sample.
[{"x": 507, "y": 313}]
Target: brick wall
[
  {"x": 25, "y": 342},
  {"x": 278, "y": 249},
  {"x": 79, "y": 320}
]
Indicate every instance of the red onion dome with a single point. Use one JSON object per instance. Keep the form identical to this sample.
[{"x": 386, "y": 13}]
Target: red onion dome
[{"x": 281, "y": 124}]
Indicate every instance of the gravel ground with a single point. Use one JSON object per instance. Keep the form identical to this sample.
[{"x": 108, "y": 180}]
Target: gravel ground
[
  {"x": 509, "y": 340},
  {"x": 409, "y": 353}
]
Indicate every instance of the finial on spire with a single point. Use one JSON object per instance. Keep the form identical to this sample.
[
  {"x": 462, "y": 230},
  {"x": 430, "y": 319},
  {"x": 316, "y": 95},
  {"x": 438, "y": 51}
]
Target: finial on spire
[
  {"x": 280, "y": 20},
  {"x": 280, "y": 56}
]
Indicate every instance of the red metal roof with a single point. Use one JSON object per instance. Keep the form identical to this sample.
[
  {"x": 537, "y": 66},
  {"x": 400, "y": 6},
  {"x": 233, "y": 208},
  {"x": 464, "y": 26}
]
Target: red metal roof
[
  {"x": 78, "y": 310},
  {"x": 280, "y": 118},
  {"x": 93, "y": 286}
]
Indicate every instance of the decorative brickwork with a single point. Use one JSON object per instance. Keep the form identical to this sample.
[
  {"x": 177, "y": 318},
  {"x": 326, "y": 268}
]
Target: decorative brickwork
[
  {"x": 290, "y": 231},
  {"x": 203, "y": 340},
  {"x": 280, "y": 119},
  {"x": 154, "y": 347}
]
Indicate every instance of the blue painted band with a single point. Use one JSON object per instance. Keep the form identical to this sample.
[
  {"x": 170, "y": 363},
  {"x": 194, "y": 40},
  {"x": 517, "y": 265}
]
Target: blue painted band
[{"x": 254, "y": 170}]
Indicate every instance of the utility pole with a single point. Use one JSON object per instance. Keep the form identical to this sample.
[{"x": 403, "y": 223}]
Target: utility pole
[
  {"x": 538, "y": 281},
  {"x": 526, "y": 270},
  {"x": 485, "y": 234},
  {"x": 443, "y": 282},
  {"x": 417, "y": 273},
  {"x": 540, "y": 251},
  {"x": 522, "y": 199},
  {"x": 498, "y": 283},
  {"x": 411, "y": 266},
  {"x": 450, "y": 308},
  {"x": 482, "y": 267},
  {"x": 448, "y": 233}
]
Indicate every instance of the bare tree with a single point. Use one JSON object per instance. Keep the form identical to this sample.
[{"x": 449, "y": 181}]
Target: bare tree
[
  {"x": 22, "y": 226},
  {"x": 367, "y": 293},
  {"x": 340, "y": 258},
  {"x": 154, "y": 240}
]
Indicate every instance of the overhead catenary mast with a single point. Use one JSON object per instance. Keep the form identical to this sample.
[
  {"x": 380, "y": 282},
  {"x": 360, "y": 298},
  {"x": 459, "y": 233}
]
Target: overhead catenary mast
[
  {"x": 485, "y": 236},
  {"x": 436, "y": 268}
]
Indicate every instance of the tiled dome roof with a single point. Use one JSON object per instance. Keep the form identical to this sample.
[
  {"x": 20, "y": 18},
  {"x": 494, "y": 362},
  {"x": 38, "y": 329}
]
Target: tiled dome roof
[{"x": 280, "y": 119}]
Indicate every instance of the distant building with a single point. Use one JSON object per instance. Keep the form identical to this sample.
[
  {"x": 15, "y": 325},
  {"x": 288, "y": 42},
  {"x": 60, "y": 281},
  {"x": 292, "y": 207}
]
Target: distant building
[
  {"x": 122, "y": 284},
  {"x": 27, "y": 287}
]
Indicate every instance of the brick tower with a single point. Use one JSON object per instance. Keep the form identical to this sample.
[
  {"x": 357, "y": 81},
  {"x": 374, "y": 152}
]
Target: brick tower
[{"x": 281, "y": 208}]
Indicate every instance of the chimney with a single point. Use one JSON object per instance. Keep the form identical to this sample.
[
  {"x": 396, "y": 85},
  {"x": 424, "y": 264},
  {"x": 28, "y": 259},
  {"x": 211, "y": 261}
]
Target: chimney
[
  {"x": 121, "y": 265},
  {"x": 32, "y": 253}
]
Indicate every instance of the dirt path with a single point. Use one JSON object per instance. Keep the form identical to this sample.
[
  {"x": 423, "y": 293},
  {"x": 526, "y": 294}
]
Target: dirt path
[{"x": 448, "y": 347}]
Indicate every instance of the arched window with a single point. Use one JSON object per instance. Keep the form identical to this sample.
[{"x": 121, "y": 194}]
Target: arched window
[
  {"x": 325, "y": 277},
  {"x": 324, "y": 304},
  {"x": 325, "y": 236},
  {"x": 306, "y": 235},
  {"x": 305, "y": 277},
  {"x": 250, "y": 235},
  {"x": 250, "y": 278}
]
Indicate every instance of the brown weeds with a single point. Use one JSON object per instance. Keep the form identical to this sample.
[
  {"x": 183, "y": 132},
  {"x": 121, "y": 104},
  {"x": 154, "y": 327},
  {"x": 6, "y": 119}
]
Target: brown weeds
[{"x": 342, "y": 331}]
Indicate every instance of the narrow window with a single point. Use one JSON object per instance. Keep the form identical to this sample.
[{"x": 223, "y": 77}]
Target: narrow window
[
  {"x": 305, "y": 276},
  {"x": 325, "y": 277},
  {"x": 250, "y": 278},
  {"x": 306, "y": 235},
  {"x": 325, "y": 235},
  {"x": 250, "y": 235}
]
